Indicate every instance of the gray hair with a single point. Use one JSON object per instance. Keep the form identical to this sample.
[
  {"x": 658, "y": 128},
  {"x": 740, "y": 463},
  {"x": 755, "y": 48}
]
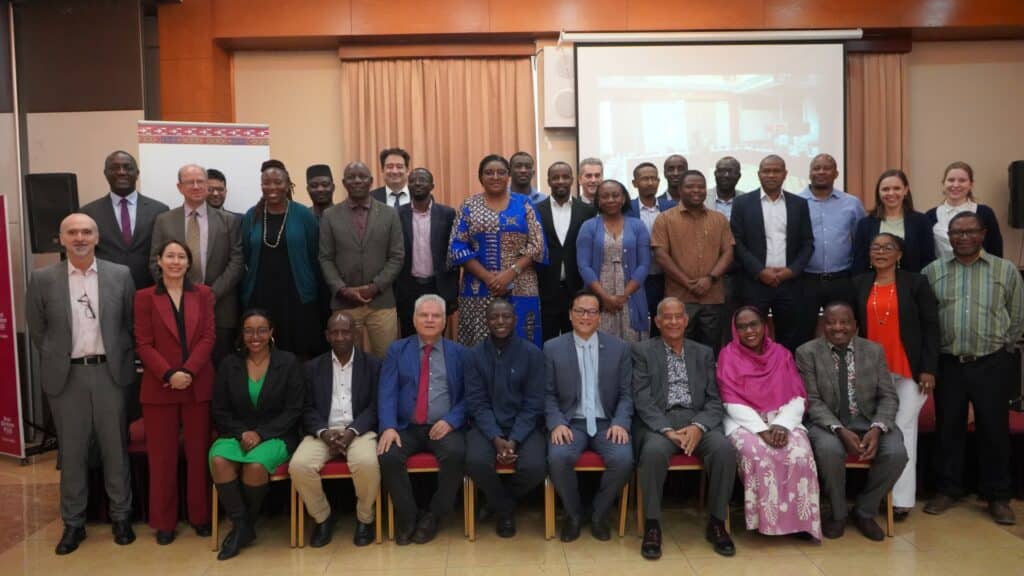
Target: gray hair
[
  {"x": 671, "y": 300},
  {"x": 430, "y": 298},
  {"x": 591, "y": 162}
]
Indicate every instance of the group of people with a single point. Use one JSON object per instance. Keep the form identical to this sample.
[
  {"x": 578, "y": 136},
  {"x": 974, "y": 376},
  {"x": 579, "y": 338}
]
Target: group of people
[{"x": 639, "y": 329}]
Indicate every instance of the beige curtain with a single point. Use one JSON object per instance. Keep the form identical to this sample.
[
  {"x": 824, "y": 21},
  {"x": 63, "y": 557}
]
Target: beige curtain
[
  {"x": 448, "y": 113},
  {"x": 876, "y": 137}
]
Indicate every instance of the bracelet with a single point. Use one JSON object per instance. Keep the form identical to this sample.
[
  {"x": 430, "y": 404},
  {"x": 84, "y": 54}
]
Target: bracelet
[{"x": 515, "y": 269}]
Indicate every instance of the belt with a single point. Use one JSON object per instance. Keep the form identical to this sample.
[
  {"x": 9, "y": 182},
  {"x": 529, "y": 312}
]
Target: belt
[
  {"x": 90, "y": 360},
  {"x": 969, "y": 358},
  {"x": 830, "y": 275},
  {"x": 423, "y": 281}
]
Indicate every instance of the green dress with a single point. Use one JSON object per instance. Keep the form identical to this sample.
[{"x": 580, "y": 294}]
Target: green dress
[{"x": 270, "y": 453}]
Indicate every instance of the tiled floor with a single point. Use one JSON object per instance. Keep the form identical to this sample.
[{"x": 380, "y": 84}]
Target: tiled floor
[{"x": 962, "y": 542}]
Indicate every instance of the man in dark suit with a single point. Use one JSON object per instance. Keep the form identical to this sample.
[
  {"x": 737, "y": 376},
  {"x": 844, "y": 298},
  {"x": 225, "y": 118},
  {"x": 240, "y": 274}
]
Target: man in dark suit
[
  {"x": 79, "y": 315},
  {"x": 647, "y": 206},
  {"x": 774, "y": 242},
  {"x": 561, "y": 216},
  {"x": 394, "y": 163},
  {"x": 214, "y": 238},
  {"x": 340, "y": 420},
  {"x": 125, "y": 218},
  {"x": 421, "y": 409},
  {"x": 320, "y": 187},
  {"x": 426, "y": 227},
  {"x": 676, "y": 397},
  {"x": 851, "y": 409},
  {"x": 589, "y": 405},
  {"x": 217, "y": 182}
]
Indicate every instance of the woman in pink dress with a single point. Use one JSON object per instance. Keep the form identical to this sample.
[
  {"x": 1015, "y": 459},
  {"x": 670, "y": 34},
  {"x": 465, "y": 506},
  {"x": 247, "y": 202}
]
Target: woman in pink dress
[{"x": 764, "y": 400}]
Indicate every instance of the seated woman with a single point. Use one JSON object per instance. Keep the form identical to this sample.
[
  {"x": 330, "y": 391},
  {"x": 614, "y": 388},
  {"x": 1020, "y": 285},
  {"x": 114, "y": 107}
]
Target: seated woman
[
  {"x": 257, "y": 402},
  {"x": 764, "y": 400}
]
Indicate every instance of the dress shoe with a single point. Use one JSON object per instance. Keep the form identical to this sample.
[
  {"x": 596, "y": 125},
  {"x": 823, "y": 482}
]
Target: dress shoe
[
  {"x": 123, "y": 533},
  {"x": 832, "y": 528},
  {"x": 1001, "y": 512},
  {"x": 404, "y": 537},
  {"x": 164, "y": 537},
  {"x": 719, "y": 538},
  {"x": 900, "y": 514},
  {"x": 939, "y": 504},
  {"x": 203, "y": 530},
  {"x": 570, "y": 529},
  {"x": 322, "y": 533},
  {"x": 242, "y": 534},
  {"x": 651, "y": 547},
  {"x": 426, "y": 529},
  {"x": 484, "y": 514},
  {"x": 69, "y": 541},
  {"x": 505, "y": 526},
  {"x": 869, "y": 528},
  {"x": 599, "y": 529},
  {"x": 364, "y": 535}
]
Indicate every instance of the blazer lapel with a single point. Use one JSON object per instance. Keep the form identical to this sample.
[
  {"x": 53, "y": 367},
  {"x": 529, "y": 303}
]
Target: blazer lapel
[
  {"x": 166, "y": 311},
  {"x": 64, "y": 295},
  {"x": 214, "y": 232},
  {"x": 661, "y": 361},
  {"x": 106, "y": 220},
  {"x": 190, "y": 299},
  {"x": 325, "y": 381},
  {"x": 574, "y": 368},
  {"x": 547, "y": 220},
  {"x": 829, "y": 369},
  {"x": 438, "y": 237}
]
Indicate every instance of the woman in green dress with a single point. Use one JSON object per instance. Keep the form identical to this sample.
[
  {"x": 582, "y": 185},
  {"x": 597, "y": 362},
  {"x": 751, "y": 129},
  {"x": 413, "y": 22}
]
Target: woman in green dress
[{"x": 257, "y": 402}]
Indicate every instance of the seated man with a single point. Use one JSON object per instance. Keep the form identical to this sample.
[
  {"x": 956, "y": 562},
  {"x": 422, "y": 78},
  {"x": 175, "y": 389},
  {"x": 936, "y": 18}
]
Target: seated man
[
  {"x": 679, "y": 410},
  {"x": 340, "y": 419},
  {"x": 589, "y": 405},
  {"x": 421, "y": 409},
  {"x": 851, "y": 410},
  {"x": 505, "y": 399}
]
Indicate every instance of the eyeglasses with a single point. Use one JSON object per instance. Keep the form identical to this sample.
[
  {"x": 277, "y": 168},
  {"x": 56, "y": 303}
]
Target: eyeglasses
[
  {"x": 85, "y": 302},
  {"x": 884, "y": 248},
  {"x": 965, "y": 233},
  {"x": 492, "y": 173},
  {"x": 752, "y": 325},
  {"x": 586, "y": 312},
  {"x": 261, "y": 331}
]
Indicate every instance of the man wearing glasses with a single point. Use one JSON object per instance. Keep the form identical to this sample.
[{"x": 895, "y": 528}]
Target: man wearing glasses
[{"x": 80, "y": 320}]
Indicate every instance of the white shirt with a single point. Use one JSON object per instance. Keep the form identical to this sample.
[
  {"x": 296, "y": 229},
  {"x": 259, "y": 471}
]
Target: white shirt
[
  {"x": 84, "y": 289},
  {"x": 403, "y": 196},
  {"x": 943, "y": 214},
  {"x": 133, "y": 201},
  {"x": 204, "y": 234},
  {"x": 774, "y": 230},
  {"x": 341, "y": 416},
  {"x": 648, "y": 214},
  {"x": 561, "y": 217},
  {"x": 789, "y": 416}
]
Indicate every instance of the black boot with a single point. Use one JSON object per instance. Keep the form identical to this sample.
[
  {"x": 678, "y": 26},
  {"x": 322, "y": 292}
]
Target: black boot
[
  {"x": 254, "y": 497},
  {"x": 242, "y": 534}
]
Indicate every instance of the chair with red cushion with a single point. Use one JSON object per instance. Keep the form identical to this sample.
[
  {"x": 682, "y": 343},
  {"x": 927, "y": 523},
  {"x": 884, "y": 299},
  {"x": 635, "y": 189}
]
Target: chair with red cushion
[
  {"x": 589, "y": 461},
  {"x": 281, "y": 473},
  {"x": 679, "y": 462},
  {"x": 469, "y": 500},
  {"x": 332, "y": 470},
  {"x": 852, "y": 463},
  {"x": 418, "y": 463}
]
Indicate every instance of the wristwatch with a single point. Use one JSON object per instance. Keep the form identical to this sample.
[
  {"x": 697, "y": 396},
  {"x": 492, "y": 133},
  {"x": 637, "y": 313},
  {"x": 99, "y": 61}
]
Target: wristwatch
[
  {"x": 515, "y": 269},
  {"x": 713, "y": 277}
]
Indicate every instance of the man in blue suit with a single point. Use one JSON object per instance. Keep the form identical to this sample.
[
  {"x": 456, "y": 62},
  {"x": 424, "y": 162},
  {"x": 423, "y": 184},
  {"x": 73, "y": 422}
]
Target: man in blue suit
[
  {"x": 589, "y": 404},
  {"x": 647, "y": 206},
  {"x": 421, "y": 409}
]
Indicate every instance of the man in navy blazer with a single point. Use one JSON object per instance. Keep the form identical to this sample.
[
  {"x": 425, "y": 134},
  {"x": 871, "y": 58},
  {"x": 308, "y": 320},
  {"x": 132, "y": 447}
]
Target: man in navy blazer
[
  {"x": 421, "y": 409},
  {"x": 339, "y": 419},
  {"x": 646, "y": 206},
  {"x": 589, "y": 405},
  {"x": 774, "y": 242}
]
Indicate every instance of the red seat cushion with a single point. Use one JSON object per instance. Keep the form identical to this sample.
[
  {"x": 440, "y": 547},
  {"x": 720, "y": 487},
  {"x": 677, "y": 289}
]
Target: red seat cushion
[
  {"x": 684, "y": 460},
  {"x": 137, "y": 437},
  {"x": 422, "y": 461},
  {"x": 281, "y": 470},
  {"x": 505, "y": 468},
  {"x": 337, "y": 467},
  {"x": 926, "y": 420},
  {"x": 855, "y": 460},
  {"x": 590, "y": 459}
]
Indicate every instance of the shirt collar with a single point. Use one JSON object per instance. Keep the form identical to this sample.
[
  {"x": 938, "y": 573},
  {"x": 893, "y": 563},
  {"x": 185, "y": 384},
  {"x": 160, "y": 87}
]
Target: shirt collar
[
  {"x": 764, "y": 196},
  {"x": 132, "y": 198},
  {"x": 201, "y": 210},
  {"x": 983, "y": 256},
  {"x": 437, "y": 345},
  {"x": 563, "y": 206},
  {"x": 581, "y": 342},
  {"x": 425, "y": 212},
  {"x": 671, "y": 352},
  {"x": 91, "y": 269},
  {"x": 702, "y": 209},
  {"x": 403, "y": 191},
  {"x": 343, "y": 365},
  {"x": 365, "y": 205},
  {"x": 808, "y": 194},
  {"x": 832, "y": 347}
]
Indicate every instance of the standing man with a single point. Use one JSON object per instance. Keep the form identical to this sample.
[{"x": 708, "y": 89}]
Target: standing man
[
  {"x": 589, "y": 405},
  {"x": 720, "y": 199},
  {"x": 421, "y": 409},
  {"x": 505, "y": 398},
  {"x": 522, "y": 172},
  {"x": 215, "y": 241},
  {"x": 834, "y": 217},
  {"x": 125, "y": 218},
  {"x": 320, "y": 187},
  {"x": 774, "y": 242},
  {"x": 981, "y": 317},
  {"x": 426, "y": 226},
  {"x": 674, "y": 167},
  {"x": 394, "y": 163},
  {"x": 361, "y": 253},
  {"x": 80, "y": 318},
  {"x": 217, "y": 183},
  {"x": 591, "y": 175},
  {"x": 647, "y": 206},
  {"x": 340, "y": 419},
  {"x": 561, "y": 216}
]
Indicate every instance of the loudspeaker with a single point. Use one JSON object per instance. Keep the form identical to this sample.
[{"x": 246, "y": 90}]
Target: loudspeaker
[
  {"x": 49, "y": 199},
  {"x": 1016, "y": 171}
]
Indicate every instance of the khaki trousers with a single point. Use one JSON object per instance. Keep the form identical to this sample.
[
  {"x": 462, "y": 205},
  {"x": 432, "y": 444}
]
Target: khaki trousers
[
  {"x": 380, "y": 325},
  {"x": 310, "y": 457}
]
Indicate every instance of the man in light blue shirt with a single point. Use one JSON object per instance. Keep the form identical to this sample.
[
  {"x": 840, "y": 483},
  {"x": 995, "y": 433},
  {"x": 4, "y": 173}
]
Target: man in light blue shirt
[
  {"x": 720, "y": 199},
  {"x": 522, "y": 172}
]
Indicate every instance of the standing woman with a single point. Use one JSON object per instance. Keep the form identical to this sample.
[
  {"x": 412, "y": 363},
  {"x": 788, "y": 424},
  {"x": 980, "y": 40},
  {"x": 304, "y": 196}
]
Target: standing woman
[
  {"x": 897, "y": 309},
  {"x": 257, "y": 402},
  {"x": 174, "y": 337},
  {"x": 894, "y": 213},
  {"x": 280, "y": 241},
  {"x": 958, "y": 188},
  {"x": 614, "y": 254},
  {"x": 497, "y": 238}
]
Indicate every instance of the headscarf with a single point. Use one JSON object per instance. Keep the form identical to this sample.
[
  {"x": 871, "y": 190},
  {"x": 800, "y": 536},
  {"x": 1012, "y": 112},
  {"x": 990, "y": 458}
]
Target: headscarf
[{"x": 764, "y": 381}]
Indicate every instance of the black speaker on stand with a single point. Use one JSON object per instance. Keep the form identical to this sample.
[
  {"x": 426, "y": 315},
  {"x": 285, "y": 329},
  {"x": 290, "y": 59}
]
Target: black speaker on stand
[
  {"x": 49, "y": 199},
  {"x": 1016, "y": 183}
]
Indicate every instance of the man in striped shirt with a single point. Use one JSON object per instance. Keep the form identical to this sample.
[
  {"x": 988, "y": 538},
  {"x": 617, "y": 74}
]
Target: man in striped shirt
[{"x": 981, "y": 317}]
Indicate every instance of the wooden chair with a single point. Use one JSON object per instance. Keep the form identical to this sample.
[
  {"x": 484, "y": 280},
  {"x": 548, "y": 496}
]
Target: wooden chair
[
  {"x": 333, "y": 470},
  {"x": 589, "y": 461},
  {"x": 469, "y": 500},
  {"x": 678, "y": 462},
  {"x": 419, "y": 463},
  {"x": 852, "y": 463},
  {"x": 280, "y": 474}
]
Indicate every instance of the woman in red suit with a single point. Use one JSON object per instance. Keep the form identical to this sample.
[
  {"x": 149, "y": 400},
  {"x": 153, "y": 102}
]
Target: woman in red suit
[{"x": 174, "y": 336}]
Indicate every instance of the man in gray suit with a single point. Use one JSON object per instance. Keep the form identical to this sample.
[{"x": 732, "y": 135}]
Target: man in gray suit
[
  {"x": 80, "y": 320},
  {"x": 679, "y": 411},
  {"x": 125, "y": 218},
  {"x": 589, "y": 405},
  {"x": 361, "y": 253},
  {"x": 215, "y": 241},
  {"x": 851, "y": 411}
]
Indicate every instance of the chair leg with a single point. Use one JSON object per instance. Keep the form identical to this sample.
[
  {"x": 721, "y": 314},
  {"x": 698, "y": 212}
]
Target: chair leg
[
  {"x": 301, "y": 521},
  {"x": 214, "y": 522},
  {"x": 623, "y": 509},
  {"x": 890, "y": 528},
  {"x": 702, "y": 493},
  {"x": 391, "y": 519},
  {"x": 639, "y": 509},
  {"x": 549, "y": 509},
  {"x": 470, "y": 488},
  {"x": 379, "y": 517},
  {"x": 293, "y": 497}
]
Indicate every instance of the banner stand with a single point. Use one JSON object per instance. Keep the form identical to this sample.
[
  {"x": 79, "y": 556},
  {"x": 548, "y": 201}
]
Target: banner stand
[{"x": 12, "y": 433}]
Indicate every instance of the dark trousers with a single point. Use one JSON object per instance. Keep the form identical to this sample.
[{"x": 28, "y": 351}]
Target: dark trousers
[
  {"x": 731, "y": 284},
  {"x": 705, "y": 324},
  {"x": 165, "y": 423},
  {"x": 411, "y": 290},
  {"x": 823, "y": 289},
  {"x": 982, "y": 384},
  {"x": 786, "y": 306},
  {"x": 450, "y": 452},
  {"x": 717, "y": 454},
  {"x": 654, "y": 286},
  {"x": 554, "y": 313},
  {"x": 502, "y": 493},
  {"x": 224, "y": 345},
  {"x": 618, "y": 461}
]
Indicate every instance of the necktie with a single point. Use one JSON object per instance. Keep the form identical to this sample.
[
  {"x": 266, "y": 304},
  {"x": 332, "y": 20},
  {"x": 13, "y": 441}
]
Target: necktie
[
  {"x": 843, "y": 384},
  {"x": 422, "y": 395},
  {"x": 589, "y": 383},
  {"x": 126, "y": 223},
  {"x": 195, "y": 273},
  {"x": 396, "y": 197}
]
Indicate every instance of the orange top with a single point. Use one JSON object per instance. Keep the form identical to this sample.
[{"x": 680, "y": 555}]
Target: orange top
[{"x": 884, "y": 327}]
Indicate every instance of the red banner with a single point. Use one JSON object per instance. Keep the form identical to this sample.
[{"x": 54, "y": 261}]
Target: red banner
[{"x": 12, "y": 440}]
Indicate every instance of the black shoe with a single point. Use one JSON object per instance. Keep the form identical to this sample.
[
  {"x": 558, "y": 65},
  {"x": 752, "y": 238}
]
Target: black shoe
[
  {"x": 426, "y": 529},
  {"x": 69, "y": 541},
  {"x": 364, "y": 535},
  {"x": 241, "y": 535},
  {"x": 164, "y": 537},
  {"x": 506, "y": 526},
  {"x": 570, "y": 529},
  {"x": 599, "y": 529},
  {"x": 484, "y": 514},
  {"x": 322, "y": 533},
  {"x": 404, "y": 537},
  {"x": 900, "y": 514},
  {"x": 719, "y": 538},
  {"x": 651, "y": 547},
  {"x": 833, "y": 529},
  {"x": 869, "y": 528},
  {"x": 203, "y": 530},
  {"x": 939, "y": 504},
  {"x": 123, "y": 533},
  {"x": 1001, "y": 512}
]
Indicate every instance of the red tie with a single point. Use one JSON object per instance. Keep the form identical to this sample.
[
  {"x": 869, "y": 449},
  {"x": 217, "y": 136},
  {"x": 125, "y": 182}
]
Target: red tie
[{"x": 423, "y": 394}]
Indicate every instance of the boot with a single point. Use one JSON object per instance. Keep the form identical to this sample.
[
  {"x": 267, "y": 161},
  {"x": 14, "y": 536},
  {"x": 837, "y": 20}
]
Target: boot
[
  {"x": 242, "y": 534},
  {"x": 254, "y": 497}
]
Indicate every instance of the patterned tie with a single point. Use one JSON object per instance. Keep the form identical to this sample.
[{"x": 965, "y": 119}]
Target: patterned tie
[
  {"x": 396, "y": 197},
  {"x": 126, "y": 223},
  {"x": 589, "y": 383},
  {"x": 843, "y": 384},
  {"x": 422, "y": 395},
  {"x": 195, "y": 273}
]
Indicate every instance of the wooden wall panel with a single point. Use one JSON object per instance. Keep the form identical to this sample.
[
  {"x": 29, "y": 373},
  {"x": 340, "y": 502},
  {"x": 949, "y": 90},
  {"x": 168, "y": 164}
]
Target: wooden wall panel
[
  {"x": 695, "y": 15},
  {"x": 391, "y": 17},
  {"x": 540, "y": 16},
  {"x": 270, "y": 18},
  {"x": 195, "y": 73}
]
